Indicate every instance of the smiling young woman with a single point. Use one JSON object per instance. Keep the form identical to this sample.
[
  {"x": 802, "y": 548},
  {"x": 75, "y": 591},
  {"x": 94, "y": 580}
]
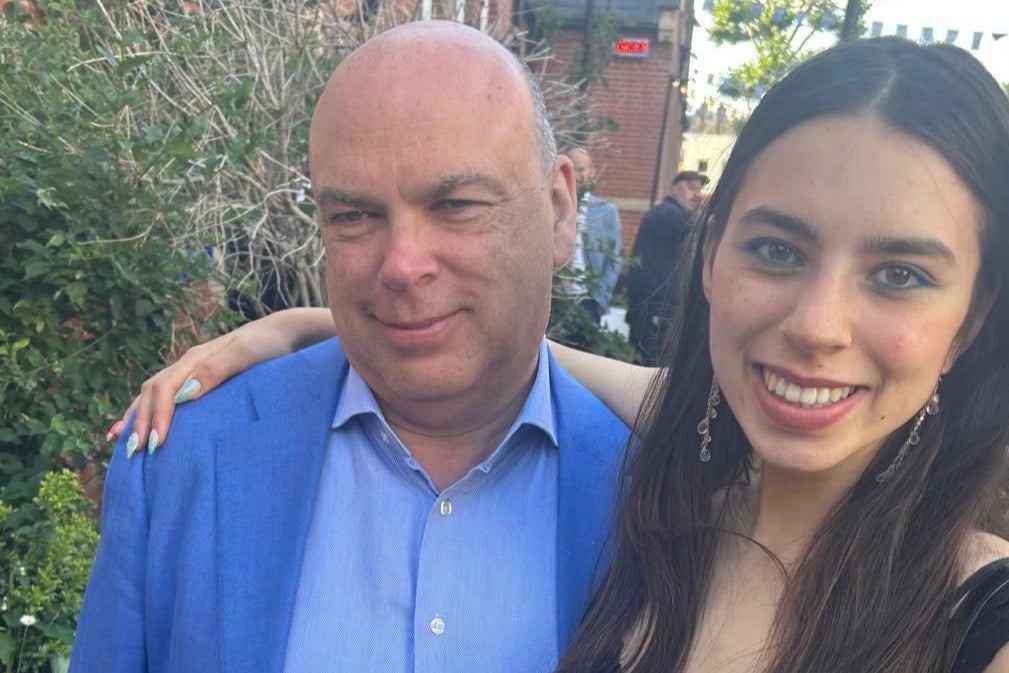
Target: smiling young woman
[{"x": 845, "y": 277}]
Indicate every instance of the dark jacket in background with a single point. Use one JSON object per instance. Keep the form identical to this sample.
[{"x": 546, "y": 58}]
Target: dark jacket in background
[{"x": 656, "y": 248}]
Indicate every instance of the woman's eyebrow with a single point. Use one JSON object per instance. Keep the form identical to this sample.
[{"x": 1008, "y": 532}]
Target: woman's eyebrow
[
  {"x": 910, "y": 245},
  {"x": 776, "y": 218}
]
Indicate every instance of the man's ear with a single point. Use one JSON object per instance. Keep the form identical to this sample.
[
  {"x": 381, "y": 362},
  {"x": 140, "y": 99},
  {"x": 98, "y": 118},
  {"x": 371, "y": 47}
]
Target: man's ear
[
  {"x": 564, "y": 197},
  {"x": 980, "y": 307}
]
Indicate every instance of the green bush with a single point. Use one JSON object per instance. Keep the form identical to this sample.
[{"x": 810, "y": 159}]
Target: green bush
[
  {"x": 91, "y": 286},
  {"x": 46, "y": 550}
]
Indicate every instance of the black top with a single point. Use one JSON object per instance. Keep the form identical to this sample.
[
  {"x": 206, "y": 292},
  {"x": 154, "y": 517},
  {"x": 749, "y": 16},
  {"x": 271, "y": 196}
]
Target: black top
[
  {"x": 982, "y": 616},
  {"x": 983, "y": 611}
]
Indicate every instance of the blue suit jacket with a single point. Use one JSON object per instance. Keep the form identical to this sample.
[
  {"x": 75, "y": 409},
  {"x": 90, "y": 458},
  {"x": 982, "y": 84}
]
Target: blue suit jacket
[{"x": 202, "y": 543}]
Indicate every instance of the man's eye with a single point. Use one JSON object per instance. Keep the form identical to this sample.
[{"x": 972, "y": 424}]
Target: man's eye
[
  {"x": 455, "y": 204},
  {"x": 349, "y": 217}
]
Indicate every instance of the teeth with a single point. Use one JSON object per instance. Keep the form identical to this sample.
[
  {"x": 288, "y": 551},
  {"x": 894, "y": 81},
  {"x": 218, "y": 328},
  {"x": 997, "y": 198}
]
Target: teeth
[{"x": 806, "y": 397}]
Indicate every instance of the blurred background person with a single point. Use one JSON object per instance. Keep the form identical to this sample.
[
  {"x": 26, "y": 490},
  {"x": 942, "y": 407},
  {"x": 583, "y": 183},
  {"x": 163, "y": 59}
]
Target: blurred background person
[
  {"x": 598, "y": 246},
  {"x": 656, "y": 246}
]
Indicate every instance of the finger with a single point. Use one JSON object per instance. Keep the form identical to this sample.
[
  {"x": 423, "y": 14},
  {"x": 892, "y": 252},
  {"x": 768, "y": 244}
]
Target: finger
[
  {"x": 115, "y": 430},
  {"x": 184, "y": 380}
]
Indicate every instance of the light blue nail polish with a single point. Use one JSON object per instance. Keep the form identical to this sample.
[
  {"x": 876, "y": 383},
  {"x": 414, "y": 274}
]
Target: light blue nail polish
[
  {"x": 190, "y": 388},
  {"x": 152, "y": 441},
  {"x": 131, "y": 444}
]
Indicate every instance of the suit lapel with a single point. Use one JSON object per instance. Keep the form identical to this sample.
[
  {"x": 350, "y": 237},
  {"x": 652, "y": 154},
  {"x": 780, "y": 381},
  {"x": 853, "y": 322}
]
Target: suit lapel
[
  {"x": 590, "y": 444},
  {"x": 268, "y": 473}
]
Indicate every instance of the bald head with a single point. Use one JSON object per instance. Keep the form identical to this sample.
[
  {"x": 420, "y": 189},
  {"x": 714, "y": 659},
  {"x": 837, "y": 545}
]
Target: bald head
[{"x": 442, "y": 67}]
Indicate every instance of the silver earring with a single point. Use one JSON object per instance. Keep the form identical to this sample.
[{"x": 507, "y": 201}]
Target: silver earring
[
  {"x": 704, "y": 427},
  {"x": 931, "y": 408}
]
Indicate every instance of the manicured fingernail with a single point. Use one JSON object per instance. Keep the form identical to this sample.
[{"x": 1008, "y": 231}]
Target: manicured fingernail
[
  {"x": 152, "y": 441},
  {"x": 131, "y": 444},
  {"x": 114, "y": 431},
  {"x": 190, "y": 388}
]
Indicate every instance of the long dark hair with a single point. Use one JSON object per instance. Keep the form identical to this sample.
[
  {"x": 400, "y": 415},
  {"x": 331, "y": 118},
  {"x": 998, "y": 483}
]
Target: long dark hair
[{"x": 874, "y": 589}]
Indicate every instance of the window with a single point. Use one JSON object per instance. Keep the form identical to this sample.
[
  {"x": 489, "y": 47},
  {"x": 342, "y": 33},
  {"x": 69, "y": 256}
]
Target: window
[
  {"x": 702, "y": 165},
  {"x": 926, "y": 35},
  {"x": 877, "y": 29},
  {"x": 901, "y": 30}
]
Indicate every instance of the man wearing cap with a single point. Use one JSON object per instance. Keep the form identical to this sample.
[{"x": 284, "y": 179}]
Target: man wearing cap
[{"x": 656, "y": 247}]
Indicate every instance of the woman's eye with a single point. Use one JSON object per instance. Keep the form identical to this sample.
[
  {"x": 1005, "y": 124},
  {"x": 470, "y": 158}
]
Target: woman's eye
[
  {"x": 778, "y": 252},
  {"x": 901, "y": 277},
  {"x": 774, "y": 253}
]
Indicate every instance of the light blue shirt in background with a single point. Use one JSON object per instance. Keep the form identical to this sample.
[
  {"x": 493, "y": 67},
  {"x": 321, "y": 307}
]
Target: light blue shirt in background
[{"x": 398, "y": 577}]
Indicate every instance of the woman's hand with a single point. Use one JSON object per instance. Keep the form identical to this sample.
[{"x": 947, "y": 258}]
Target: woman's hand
[{"x": 206, "y": 366}]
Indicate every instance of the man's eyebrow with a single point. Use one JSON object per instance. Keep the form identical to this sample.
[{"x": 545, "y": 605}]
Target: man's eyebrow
[
  {"x": 450, "y": 183},
  {"x": 776, "y": 218},
  {"x": 911, "y": 245},
  {"x": 330, "y": 196}
]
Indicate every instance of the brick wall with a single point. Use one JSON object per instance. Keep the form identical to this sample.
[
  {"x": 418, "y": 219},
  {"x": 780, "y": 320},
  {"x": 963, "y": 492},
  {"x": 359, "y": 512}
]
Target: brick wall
[{"x": 635, "y": 98}]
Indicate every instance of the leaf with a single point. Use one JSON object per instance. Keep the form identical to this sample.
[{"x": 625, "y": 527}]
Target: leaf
[
  {"x": 131, "y": 63},
  {"x": 6, "y": 647},
  {"x": 97, "y": 155},
  {"x": 46, "y": 198},
  {"x": 181, "y": 149},
  {"x": 36, "y": 268}
]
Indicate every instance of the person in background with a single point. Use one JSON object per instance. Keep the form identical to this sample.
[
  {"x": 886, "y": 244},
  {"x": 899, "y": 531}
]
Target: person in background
[
  {"x": 599, "y": 242},
  {"x": 430, "y": 492},
  {"x": 650, "y": 297}
]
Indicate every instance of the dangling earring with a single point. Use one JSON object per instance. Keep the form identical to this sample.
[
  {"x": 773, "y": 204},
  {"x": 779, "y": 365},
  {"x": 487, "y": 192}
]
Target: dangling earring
[
  {"x": 931, "y": 408},
  {"x": 704, "y": 427}
]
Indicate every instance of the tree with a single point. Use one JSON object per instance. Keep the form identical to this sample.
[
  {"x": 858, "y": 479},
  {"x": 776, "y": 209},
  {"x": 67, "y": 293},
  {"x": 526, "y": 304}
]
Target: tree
[
  {"x": 93, "y": 288},
  {"x": 780, "y": 31}
]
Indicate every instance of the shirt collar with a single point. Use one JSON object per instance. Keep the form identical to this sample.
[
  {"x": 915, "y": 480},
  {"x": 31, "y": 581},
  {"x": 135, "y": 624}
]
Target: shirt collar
[{"x": 356, "y": 399}]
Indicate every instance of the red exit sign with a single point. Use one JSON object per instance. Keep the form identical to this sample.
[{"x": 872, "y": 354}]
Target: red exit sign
[{"x": 637, "y": 48}]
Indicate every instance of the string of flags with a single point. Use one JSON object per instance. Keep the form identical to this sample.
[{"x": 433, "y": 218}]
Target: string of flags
[{"x": 925, "y": 34}]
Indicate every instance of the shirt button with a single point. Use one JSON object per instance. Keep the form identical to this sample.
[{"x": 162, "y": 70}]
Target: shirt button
[
  {"x": 445, "y": 507},
  {"x": 385, "y": 437},
  {"x": 437, "y": 626}
]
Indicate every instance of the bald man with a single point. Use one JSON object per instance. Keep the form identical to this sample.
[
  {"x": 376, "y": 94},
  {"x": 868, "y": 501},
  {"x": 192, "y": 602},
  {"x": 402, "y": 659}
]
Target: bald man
[{"x": 429, "y": 493}]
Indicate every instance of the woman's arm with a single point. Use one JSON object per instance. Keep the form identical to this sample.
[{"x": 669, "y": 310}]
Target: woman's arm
[
  {"x": 206, "y": 366},
  {"x": 620, "y": 385}
]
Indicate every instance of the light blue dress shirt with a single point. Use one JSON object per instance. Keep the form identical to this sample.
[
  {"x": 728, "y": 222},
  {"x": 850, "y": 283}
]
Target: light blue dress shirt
[{"x": 399, "y": 578}]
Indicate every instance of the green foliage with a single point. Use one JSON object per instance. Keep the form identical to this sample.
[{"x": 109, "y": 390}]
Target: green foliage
[
  {"x": 89, "y": 276},
  {"x": 571, "y": 325},
  {"x": 779, "y": 31},
  {"x": 46, "y": 550}
]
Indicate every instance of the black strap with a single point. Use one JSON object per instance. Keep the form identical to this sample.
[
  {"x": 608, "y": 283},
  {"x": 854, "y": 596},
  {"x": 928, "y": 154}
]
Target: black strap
[{"x": 973, "y": 595}]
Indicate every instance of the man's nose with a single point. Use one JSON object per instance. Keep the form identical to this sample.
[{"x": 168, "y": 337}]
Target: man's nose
[
  {"x": 410, "y": 253},
  {"x": 821, "y": 317}
]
